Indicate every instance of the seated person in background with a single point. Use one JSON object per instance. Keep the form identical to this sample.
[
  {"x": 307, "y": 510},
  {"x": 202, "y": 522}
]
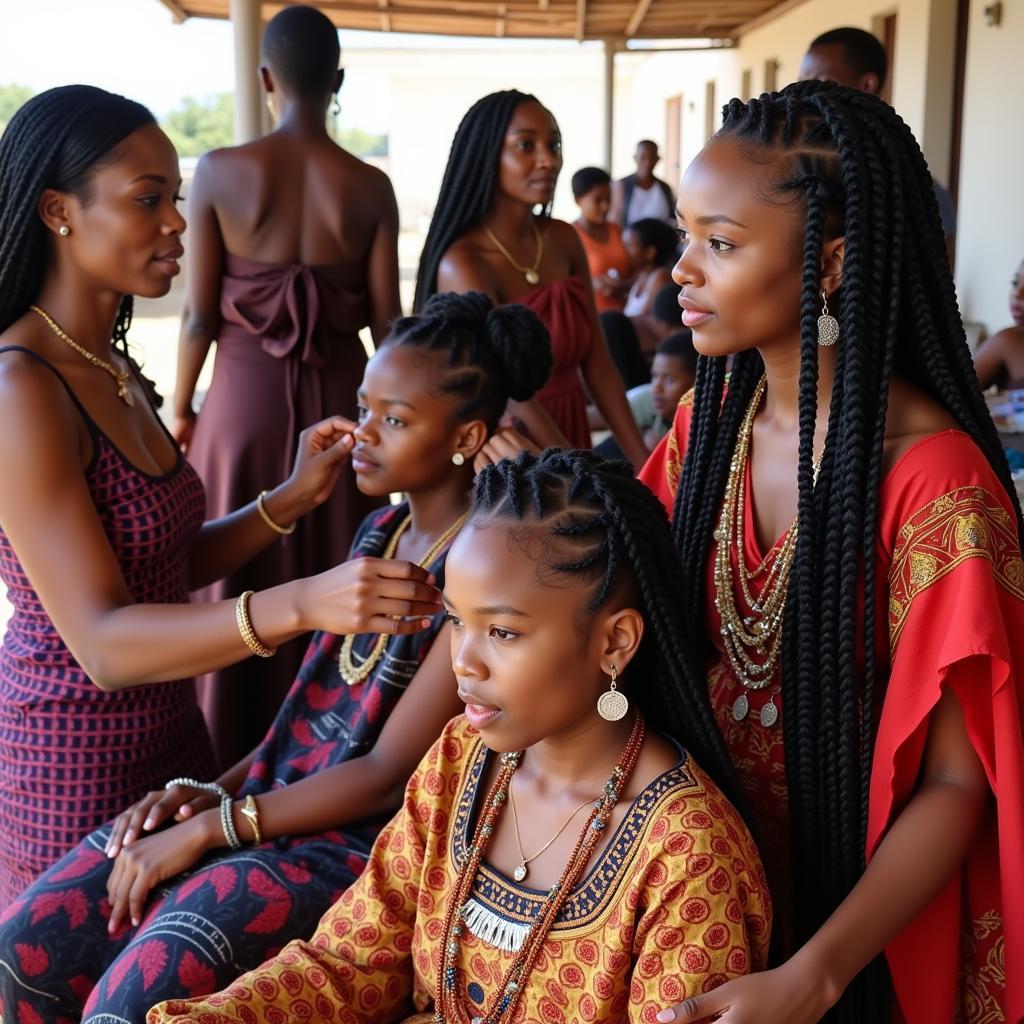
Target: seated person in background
[
  {"x": 627, "y": 353},
  {"x": 654, "y": 405},
  {"x": 1000, "y": 359},
  {"x": 610, "y": 269},
  {"x": 627, "y": 878},
  {"x": 651, "y": 245},
  {"x": 641, "y": 194},
  {"x": 665, "y": 318}
]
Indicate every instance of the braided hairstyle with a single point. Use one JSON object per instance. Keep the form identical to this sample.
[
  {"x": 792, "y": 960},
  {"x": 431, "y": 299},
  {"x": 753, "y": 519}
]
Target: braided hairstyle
[
  {"x": 470, "y": 179},
  {"x": 491, "y": 354},
  {"x": 854, "y": 169},
  {"x": 602, "y": 527},
  {"x": 58, "y": 140}
]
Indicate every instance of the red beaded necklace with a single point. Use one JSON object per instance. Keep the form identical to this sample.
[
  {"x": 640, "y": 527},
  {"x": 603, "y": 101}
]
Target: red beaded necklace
[{"x": 448, "y": 1008}]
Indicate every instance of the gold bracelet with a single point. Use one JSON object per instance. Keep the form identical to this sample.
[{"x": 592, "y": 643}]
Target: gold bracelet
[
  {"x": 252, "y": 815},
  {"x": 248, "y": 634},
  {"x": 285, "y": 531}
]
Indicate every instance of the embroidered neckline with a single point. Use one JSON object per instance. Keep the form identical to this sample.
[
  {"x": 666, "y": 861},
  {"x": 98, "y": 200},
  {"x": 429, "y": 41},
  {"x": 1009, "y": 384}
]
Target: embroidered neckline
[{"x": 502, "y": 901}]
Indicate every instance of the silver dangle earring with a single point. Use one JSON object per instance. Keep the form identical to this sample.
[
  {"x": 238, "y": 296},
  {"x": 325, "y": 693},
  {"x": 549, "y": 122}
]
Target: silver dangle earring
[
  {"x": 458, "y": 459},
  {"x": 828, "y": 325},
  {"x": 612, "y": 705},
  {"x": 336, "y": 106}
]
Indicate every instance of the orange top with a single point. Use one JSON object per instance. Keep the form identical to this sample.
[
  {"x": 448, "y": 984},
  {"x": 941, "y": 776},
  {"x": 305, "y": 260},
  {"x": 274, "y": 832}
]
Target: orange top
[{"x": 605, "y": 256}]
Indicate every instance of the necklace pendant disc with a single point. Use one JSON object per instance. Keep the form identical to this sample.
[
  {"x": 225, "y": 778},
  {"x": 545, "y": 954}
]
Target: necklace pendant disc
[
  {"x": 532, "y": 277},
  {"x": 769, "y": 713},
  {"x": 740, "y": 707},
  {"x": 520, "y": 872}
]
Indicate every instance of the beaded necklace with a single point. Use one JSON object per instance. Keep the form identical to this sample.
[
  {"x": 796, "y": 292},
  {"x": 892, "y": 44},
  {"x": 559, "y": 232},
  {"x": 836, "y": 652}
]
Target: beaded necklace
[
  {"x": 752, "y": 643},
  {"x": 354, "y": 674},
  {"x": 448, "y": 1007}
]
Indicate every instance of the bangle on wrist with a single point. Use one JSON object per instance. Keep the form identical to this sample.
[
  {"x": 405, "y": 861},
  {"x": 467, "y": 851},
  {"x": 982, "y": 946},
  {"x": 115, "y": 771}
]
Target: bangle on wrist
[
  {"x": 245, "y": 630},
  {"x": 261, "y": 507},
  {"x": 227, "y": 823},
  {"x": 252, "y": 814}
]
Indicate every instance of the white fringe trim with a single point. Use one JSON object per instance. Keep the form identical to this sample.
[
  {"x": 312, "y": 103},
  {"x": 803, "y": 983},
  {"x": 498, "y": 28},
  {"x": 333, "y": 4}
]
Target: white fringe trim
[{"x": 494, "y": 930}]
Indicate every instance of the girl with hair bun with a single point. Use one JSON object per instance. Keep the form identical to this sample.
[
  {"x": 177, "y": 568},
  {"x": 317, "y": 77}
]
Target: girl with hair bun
[
  {"x": 492, "y": 231},
  {"x": 102, "y": 532},
  {"x": 851, "y": 544},
  {"x": 165, "y": 900}
]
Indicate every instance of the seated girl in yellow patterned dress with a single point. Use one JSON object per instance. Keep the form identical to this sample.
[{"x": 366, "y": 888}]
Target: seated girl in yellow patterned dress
[{"x": 559, "y": 855}]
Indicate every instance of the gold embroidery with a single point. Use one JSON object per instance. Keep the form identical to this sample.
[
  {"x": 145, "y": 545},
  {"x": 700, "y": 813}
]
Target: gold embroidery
[
  {"x": 687, "y": 398},
  {"x": 971, "y": 532},
  {"x": 673, "y": 462},
  {"x": 922, "y": 568},
  {"x": 968, "y": 522},
  {"x": 982, "y": 977}
]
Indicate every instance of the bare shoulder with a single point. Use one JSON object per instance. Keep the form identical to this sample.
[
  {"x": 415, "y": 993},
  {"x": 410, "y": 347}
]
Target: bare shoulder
[
  {"x": 912, "y": 416},
  {"x": 463, "y": 267},
  {"x": 37, "y": 408},
  {"x": 563, "y": 234}
]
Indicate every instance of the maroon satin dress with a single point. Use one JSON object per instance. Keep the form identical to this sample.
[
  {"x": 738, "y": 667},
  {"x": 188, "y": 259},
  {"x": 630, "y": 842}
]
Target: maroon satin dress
[
  {"x": 288, "y": 354},
  {"x": 563, "y": 308}
]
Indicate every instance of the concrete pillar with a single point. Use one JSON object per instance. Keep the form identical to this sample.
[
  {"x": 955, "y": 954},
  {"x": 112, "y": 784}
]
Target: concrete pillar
[
  {"x": 247, "y": 25},
  {"x": 610, "y": 48}
]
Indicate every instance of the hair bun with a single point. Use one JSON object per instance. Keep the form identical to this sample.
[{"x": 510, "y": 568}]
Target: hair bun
[{"x": 523, "y": 345}]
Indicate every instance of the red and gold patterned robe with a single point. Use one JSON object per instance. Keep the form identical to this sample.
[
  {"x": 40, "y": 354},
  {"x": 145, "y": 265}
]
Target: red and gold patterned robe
[
  {"x": 676, "y": 904},
  {"x": 949, "y": 556}
]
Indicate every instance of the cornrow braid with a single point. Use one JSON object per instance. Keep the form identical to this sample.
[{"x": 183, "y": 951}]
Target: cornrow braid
[
  {"x": 856, "y": 171},
  {"x": 600, "y": 526},
  {"x": 491, "y": 354},
  {"x": 470, "y": 179},
  {"x": 56, "y": 140}
]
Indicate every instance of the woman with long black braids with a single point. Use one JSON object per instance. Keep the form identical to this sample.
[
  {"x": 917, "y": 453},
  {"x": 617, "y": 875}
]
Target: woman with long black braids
[
  {"x": 850, "y": 540},
  {"x": 492, "y": 232}
]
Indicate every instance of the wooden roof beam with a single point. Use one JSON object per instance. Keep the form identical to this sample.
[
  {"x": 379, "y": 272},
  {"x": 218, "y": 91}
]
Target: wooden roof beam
[
  {"x": 581, "y": 20},
  {"x": 177, "y": 11},
  {"x": 637, "y": 17},
  {"x": 385, "y": 18}
]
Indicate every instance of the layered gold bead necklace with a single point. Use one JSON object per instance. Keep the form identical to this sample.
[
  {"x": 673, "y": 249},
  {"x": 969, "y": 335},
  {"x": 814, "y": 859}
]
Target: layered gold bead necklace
[{"x": 753, "y": 642}]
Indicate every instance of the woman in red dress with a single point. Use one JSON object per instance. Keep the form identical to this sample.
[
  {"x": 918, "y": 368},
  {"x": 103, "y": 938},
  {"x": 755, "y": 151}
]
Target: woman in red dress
[
  {"x": 486, "y": 236},
  {"x": 864, "y": 668}
]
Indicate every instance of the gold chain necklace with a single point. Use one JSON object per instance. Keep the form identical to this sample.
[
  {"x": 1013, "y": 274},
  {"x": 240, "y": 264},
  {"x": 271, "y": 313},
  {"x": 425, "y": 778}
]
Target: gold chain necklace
[
  {"x": 530, "y": 273},
  {"x": 522, "y": 871},
  {"x": 752, "y": 643},
  {"x": 354, "y": 674},
  {"x": 120, "y": 378}
]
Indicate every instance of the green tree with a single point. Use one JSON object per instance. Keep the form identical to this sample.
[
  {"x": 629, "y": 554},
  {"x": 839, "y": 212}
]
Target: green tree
[
  {"x": 199, "y": 125},
  {"x": 12, "y": 97}
]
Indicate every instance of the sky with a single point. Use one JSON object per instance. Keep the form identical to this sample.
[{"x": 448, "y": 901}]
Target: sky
[{"x": 133, "y": 47}]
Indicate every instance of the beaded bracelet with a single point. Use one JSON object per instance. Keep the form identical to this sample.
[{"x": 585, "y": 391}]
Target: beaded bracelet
[
  {"x": 227, "y": 823},
  {"x": 209, "y": 787},
  {"x": 285, "y": 531},
  {"x": 248, "y": 634}
]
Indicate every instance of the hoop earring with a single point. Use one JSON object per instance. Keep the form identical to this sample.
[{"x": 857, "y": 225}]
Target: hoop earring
[
  {"x": 828, "y": 325},
  {"x": 336, "y": 106},
  {"x": 612, "y": 705},
  {"x": 458, "y": 459}
]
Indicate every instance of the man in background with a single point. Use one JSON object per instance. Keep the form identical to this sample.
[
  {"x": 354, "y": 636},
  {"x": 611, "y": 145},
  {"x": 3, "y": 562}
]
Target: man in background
[
  {"x": 854, "y": 57},
  {"x": 641, "y": 194}
]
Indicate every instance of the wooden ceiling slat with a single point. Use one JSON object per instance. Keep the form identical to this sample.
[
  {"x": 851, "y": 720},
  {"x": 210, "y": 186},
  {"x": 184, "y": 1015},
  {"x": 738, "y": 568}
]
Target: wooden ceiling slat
[{"x": 554, "y": 19}]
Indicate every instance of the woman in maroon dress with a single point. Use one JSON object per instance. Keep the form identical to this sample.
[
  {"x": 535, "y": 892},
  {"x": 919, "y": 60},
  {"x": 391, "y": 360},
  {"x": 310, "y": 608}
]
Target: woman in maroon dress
[
  {"x": 292, "y": 250},
  {"x": 486, "y": 236},
  {"x": 102, "y": 520}
]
